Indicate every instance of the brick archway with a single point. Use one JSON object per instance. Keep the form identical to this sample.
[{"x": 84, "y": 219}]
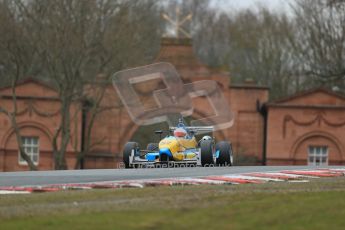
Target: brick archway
[
  {"x": 10, "y": 153},
  {"x": 130, "y": 128},
  {"x": 220, "y": 135},
  {"x": 299, "y": 148},
  {"x": 21, "y": 125}
]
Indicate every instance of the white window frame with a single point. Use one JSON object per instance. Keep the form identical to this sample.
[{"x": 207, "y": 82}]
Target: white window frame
[
  {"x": 30, "y": 144},
  {"x": 318, "y": 155}
]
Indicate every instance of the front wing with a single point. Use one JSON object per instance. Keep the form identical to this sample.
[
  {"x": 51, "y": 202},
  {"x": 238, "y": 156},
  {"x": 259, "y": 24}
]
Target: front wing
[{"x": 138, "y": 161}]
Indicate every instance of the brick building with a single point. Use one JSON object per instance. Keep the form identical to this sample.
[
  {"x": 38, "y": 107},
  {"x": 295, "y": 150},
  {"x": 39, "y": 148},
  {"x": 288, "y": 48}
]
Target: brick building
[
  {"x": 37, "y": 117},
  {"x": 307, "y": 126}
]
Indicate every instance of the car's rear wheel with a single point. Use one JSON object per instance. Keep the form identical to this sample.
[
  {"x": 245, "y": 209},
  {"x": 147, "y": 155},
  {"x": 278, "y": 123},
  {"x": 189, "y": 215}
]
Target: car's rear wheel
[
  {"x": 206, "y": 153},
  {"x": 152, "y": 146},
  {"x": 128, "y": 151},
  {"x": 225, "y": 153}
]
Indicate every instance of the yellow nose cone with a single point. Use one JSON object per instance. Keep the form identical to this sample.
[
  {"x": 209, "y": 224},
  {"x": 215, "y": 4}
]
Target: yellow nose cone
[{"x": 177, "y": 147}]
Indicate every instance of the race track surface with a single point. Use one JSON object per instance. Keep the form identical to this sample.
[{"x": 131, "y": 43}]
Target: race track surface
[{"x": 84, "y": 176}]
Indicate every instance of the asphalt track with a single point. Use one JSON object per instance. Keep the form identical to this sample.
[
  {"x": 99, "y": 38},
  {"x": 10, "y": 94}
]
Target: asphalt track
[{"x": 84, "y": 176}]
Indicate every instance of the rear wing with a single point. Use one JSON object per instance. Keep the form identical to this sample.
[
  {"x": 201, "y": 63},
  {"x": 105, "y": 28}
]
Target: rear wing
[{"x": 196, "y": 129}]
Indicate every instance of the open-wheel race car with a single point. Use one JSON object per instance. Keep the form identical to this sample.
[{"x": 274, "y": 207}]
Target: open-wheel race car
[{"x": 180, "y": 147}]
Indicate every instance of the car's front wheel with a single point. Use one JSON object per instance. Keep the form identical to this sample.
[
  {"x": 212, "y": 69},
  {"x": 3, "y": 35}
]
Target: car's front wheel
[
  {"x": 224, "y": 152},
  {"x": 206, "y": 153},
  {"x": 127, "y": 151}
]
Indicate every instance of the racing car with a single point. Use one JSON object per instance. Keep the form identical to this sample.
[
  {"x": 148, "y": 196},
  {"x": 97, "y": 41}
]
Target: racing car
[{"x": 180, "y": 146}]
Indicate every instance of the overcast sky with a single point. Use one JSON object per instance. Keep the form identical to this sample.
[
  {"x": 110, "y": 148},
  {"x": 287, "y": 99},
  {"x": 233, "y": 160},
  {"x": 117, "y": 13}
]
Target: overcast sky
[{"x": 275, "y": 5}]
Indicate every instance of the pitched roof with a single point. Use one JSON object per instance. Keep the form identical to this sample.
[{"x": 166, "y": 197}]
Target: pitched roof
[
  {"x": 29, "y": 80},
  {"x": 313, "y": 97},
  {"x": 30, "y": 88}
]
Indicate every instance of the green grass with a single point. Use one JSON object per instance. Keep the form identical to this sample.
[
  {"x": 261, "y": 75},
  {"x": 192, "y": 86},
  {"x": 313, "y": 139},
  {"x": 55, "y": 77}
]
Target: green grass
[{"x": 319, "y": 204}]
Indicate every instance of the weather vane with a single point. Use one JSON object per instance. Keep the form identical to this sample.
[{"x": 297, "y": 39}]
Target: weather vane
[{"x": 178, "y": 23}]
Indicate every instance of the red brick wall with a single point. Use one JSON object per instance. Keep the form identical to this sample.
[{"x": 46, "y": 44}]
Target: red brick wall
[
  {"x": 38, "y": 115},
  {"x": 247, "y": 132},
  {"x": 295, "y": 125}
]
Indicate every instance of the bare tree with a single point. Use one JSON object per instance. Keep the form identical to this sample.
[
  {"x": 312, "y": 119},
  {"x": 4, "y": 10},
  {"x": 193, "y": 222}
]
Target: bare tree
[
  {"x": 286, "y": 53},
  {"x": 77, "y": 40},
  {"x": 250, "y": 45},
  {"x": 16, "y": 63},
  {"x": 94, "y": 105},
  {"x": 319, "y": 41}
]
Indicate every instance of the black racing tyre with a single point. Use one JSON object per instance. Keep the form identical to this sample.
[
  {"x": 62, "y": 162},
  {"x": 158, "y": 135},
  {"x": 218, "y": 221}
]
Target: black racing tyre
[
  {"x": 152, "y": 146},
  {"x": 206, "y": 153},
  {"x": 127, "y": 152},
  {"x": 164, "y": 160},
  {"x": 225, "y": 153}
]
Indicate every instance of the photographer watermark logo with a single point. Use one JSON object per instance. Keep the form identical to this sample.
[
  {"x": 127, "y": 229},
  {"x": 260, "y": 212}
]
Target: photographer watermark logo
[{"x": 176, "y": 98}]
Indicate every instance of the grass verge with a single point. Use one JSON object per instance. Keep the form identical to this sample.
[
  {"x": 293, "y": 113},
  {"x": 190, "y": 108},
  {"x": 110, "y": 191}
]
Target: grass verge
[{"x": 319, "y": 204}]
